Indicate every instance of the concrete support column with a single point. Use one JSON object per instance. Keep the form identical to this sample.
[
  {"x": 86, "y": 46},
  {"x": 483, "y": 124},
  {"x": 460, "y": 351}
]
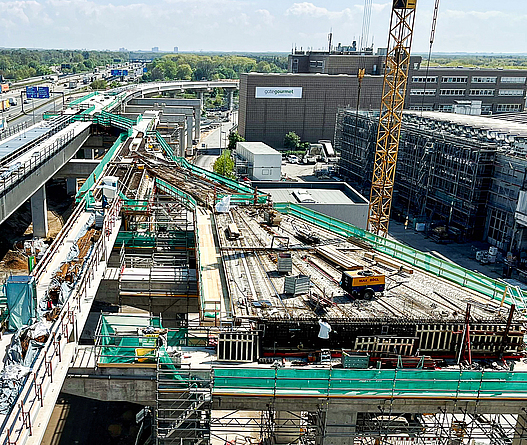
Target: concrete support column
[
  {"x": 340, "y": 423},
  {"x": 39, "y": 213},
  {"x": 189, "y": 133},
  {"x": 197, "y": 123},
  {"x": 287, "y": 427},
  {"x": 520, "y": 431},
  {"x": 88, "y": 153},
  {"x": 230, "y": 99},
  {"x": 71, "y": 186},
  {"x": 181, "y": 141}
]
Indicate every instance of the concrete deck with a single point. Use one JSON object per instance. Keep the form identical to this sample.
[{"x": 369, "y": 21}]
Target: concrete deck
[{"x": 215, "y": 300}]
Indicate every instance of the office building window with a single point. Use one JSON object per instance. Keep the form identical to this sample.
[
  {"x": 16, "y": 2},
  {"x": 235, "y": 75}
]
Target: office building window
[
  {"x": 511, "y": 93},
  {"x": 423, "y": 92},
  {"x": 512, "y": 80},
  {"x": 316, "y": 64},
  {"x": 423, "y": 79},
  {"x": 508, "y": 107},
  {"x": 481, "y": 93},
  {"x": 480, "y": 79},
  {"x": 425, "y": 108},
  {"x": 462, "y": 79},
  {"x": 446, "y": 108},
  {"x": 452, "y": 92}
]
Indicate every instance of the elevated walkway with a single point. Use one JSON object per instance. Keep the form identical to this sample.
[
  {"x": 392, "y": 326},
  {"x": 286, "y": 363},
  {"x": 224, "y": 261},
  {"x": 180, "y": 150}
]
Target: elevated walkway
[{"x": 215, "y": 304}]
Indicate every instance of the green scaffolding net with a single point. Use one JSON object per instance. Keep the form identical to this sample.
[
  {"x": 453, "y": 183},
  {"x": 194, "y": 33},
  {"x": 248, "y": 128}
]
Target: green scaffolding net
[
  {"x": 475, "y": 281},
  {"x": 398, "y": 383}
]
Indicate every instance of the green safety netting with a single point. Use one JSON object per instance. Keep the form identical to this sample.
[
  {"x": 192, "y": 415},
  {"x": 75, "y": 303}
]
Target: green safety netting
[
  {"x": 459, "y": 275},
  {"x": 170, "y": 189},
  {"x": 357, "y": 383},
  {"x": 83, "y": 98},
  {"x": 119, "y": 348},
  {"x": 150, "y": 239},
  {"x": 246, "y": 192}
]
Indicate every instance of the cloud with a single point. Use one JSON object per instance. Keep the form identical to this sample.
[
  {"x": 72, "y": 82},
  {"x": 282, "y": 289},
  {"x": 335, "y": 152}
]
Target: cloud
[{"x": 310, "y": 10}]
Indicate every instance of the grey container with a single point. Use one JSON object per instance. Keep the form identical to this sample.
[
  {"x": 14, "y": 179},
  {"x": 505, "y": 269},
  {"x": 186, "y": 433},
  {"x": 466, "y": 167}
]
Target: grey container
[
  {"x": 285, "y": 263},
  {"x": 297, "y": 285}
]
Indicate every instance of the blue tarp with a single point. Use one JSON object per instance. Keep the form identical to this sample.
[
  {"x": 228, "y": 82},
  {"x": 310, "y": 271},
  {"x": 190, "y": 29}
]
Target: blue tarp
[{"x": 21, "y": 300}]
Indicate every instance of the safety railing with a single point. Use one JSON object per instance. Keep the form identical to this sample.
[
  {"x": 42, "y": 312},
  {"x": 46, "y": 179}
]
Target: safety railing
[
  {"x": 212, "y": 176},
  {"x": 18, "y": 173},
  {"x": 19, "y": 423},
  {"x": 58, "y": 126},
  {"x": 13, "y": 129},
  {"x": 83, "y": 98},
  {"x": 171, "y": 190},
  {"x": 474, "y": 281}
]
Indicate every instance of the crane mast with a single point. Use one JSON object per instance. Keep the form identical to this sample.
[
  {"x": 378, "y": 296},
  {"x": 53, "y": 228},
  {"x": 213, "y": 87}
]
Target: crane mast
[{"x": 391, "y": 114}]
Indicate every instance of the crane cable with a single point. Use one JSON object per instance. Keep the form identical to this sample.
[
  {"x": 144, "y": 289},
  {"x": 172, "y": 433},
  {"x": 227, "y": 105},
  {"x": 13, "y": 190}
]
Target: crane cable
[{"x": 432, "y": 38}]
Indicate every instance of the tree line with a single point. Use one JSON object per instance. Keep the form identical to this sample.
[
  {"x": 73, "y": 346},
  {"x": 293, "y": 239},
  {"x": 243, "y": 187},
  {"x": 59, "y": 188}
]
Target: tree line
[
  {"x": 205, "y": 67},
  {"x": 18, "y": 64}
]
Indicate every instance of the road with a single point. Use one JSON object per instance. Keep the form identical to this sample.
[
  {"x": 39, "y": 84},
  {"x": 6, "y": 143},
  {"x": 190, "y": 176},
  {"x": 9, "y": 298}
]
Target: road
[{"x": 208, "y": 155}]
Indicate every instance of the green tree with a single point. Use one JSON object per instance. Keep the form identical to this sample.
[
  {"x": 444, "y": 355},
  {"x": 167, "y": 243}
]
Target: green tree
[
  {"x": 99, "y": 84},
  {"x": 224, "y": 165},
  {"x": 263, "y": 67},
  {"x": 292, "y": 141},
  {"x": 233, "y": 138},
  {"x": 184, "y": 72}
]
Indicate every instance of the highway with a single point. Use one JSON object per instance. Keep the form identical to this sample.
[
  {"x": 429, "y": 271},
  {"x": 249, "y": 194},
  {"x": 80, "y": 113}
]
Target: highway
[{"x": 210, "y": 153}]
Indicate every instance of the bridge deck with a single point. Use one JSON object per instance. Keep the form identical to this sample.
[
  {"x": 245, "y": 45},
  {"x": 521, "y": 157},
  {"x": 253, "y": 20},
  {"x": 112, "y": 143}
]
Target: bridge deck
[{"x": 214, "y": 302}]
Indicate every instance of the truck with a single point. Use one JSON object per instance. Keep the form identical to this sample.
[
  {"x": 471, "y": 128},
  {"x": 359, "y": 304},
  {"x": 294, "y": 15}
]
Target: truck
[
  {"x": 4, "y": 104},
  {"x": 4, "y": 87},
  {"x": 362, "y": 283},
  {"x": 72, "y": 84}
]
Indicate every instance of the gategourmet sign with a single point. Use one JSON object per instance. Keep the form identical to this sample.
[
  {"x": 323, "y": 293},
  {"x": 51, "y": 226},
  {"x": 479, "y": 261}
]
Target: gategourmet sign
[{"x": 279, "y": 92}]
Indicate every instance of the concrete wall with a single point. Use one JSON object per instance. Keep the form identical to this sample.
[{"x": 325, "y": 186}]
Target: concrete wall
[{"x": 313, "y": 116}]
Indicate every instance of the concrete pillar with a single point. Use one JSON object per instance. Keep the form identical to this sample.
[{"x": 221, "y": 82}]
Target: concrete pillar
[
  {"x": 71, "y": 186},
  {"x": 88, "y": 153},
  {"x": 181, "y": 141},
  {"x": 197, "y": 123},
  {"x": 520, "y": 431},
  {"x": 230, "y": 99},
  {"x": 287, "y": 427},
  {"x": 340, "y": 423},
  {"x": 189, "y": 132},
  {"x": 39, "y": 213}
]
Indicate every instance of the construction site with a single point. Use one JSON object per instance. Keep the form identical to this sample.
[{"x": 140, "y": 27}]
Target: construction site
[{"x": 232, "y": 319}]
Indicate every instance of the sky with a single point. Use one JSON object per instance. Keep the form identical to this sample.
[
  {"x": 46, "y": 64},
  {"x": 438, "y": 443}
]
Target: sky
[{"x": 471, "y": 26}]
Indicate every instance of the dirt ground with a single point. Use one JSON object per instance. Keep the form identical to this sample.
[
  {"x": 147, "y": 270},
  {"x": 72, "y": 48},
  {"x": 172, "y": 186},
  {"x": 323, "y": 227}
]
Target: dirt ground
[{"x": 18, "y": 228}]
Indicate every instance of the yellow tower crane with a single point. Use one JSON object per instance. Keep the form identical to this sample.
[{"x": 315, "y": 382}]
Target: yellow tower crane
[{"x": 393, "y": 94}]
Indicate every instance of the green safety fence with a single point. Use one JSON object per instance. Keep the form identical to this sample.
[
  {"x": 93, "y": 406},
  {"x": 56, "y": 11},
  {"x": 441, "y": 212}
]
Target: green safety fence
[
  {"x": 444, "y": 269},
  {"x": 121, "y": 349},
  {"x": 170, "y": 189},
  {"x": 244, "y": 198},
  {"x": 399, "y": 383},
  {"x": 118, "y": 99},
  {"x": 212, "y": 176},
  {"x": 83, "y": 98},
  {"x": 150, "y": 239},
  {"x": 49, "y": 115},
  {"x": 88, "y": 110},
  {"x": 90, "y": 182}
]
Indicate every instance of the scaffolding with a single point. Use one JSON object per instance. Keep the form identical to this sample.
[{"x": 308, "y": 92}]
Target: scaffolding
[{"x": 440, "y": 175}]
